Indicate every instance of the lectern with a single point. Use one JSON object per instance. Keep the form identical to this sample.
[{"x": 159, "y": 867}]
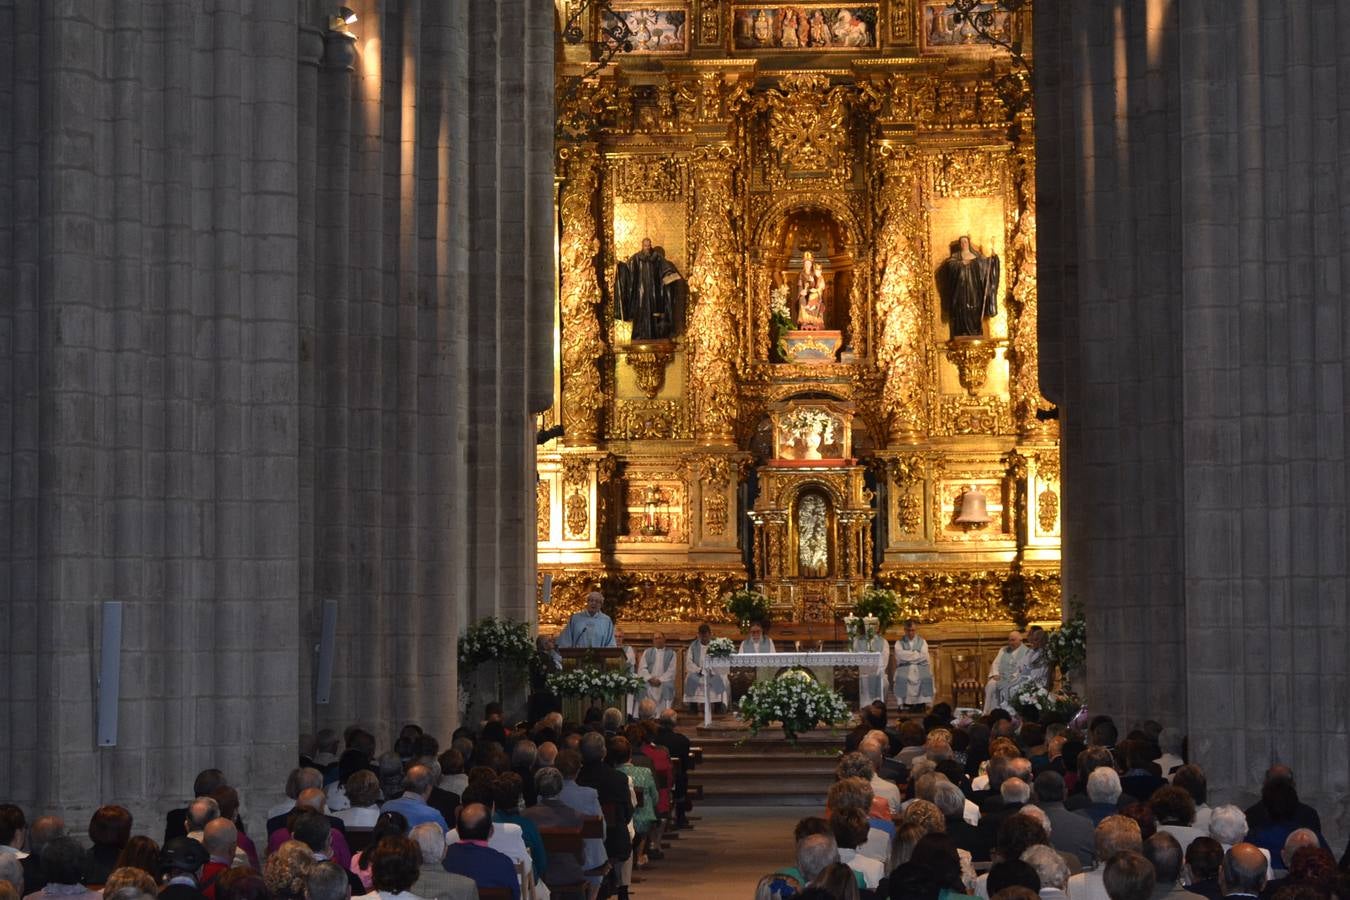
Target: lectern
[{"x": 574, "y": 708}]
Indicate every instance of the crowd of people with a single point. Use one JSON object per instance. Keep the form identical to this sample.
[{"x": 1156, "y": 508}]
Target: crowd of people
[
  {"x": 473, "y": 819},
  {"x": 936, "y": 808}
]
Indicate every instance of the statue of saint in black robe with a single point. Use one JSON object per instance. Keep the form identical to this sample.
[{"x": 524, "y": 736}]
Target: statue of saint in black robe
[
  {"x": 651, "y": 294},
  {"x": 968, "y": 285}
]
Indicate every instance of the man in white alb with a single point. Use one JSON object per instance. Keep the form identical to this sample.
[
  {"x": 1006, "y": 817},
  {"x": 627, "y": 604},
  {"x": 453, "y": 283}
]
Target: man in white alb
[
  {"x": 590, "y": 627},
  {"x": 657, "y": 668},
  {"x": 1004, "y": 672},
  {"x": 694, "y": 659},
  {"x": 872, "y": 677},
  {"x": 913, "y": 672}
]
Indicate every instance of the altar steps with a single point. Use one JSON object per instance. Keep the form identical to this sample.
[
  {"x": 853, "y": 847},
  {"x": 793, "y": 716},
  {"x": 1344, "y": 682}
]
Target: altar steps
[{"x": 740, "y": 769}]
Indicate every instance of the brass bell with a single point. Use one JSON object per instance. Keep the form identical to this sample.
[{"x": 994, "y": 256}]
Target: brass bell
[{"x": 974, "y": 507}]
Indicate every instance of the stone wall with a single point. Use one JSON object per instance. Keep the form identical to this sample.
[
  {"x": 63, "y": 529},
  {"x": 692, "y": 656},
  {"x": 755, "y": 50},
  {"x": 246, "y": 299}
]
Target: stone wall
[
  {"x": 1193, "y": 237},
  {"x": 273, "y": 334}
]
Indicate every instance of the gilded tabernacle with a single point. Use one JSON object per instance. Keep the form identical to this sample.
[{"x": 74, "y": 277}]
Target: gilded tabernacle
[{"x": 797, "y": 318}]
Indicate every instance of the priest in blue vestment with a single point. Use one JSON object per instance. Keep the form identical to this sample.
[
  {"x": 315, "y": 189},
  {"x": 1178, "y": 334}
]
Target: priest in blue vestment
[{"x": 590, "y": 627}]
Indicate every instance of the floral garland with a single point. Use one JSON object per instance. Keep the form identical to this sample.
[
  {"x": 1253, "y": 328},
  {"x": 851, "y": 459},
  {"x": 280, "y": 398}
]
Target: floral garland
[
  {"x": 881, "y": 603},
  {"x": 593, "y": 681},
  {"x": 1067, "y": 645},
  {"x": 780, "y": 319},
  {"x": 794, "y": 699},
  {"x": 720, "y": 648},
  {"x": 747, "y": 606},
  {"x": 495, "y": 640},
  {"x": 1032, "y": 701}
]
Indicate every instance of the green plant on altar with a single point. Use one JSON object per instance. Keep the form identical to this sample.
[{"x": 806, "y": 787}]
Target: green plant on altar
[
  {"x": 795, "y": 700},
  {"x": 1067, "y": 645},
  {"x": 881, "y": 603},
  {"x": 1034, "y": 701},
  {"x": 721, "y": 648},
  {"x": 593, "y": 681},
  {"x": 495, "y": 640},
  {"x": 747, "y": 606}
]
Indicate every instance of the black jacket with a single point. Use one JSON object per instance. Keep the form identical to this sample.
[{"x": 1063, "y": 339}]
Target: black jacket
[{"x": 611, "y": 786}]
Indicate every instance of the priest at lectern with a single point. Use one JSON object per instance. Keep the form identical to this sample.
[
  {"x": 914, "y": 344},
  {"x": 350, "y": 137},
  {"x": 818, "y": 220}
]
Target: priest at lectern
[{"x": 590, "y": 627}]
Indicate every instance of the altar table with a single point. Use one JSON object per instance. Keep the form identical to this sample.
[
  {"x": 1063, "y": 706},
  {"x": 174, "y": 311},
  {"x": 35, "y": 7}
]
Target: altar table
[{"x": 807, "y": 659}]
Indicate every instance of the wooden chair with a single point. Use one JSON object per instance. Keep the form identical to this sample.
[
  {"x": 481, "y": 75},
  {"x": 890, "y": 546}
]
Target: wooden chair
[
  {"x": 560, "y": 842},
  {"x": 593, "y": 827},
  {"x": 967, "y": 680}
]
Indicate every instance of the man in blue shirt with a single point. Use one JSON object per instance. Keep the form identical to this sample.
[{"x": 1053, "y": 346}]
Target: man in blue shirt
[
  {"x": 473, "y": 858},
  {"x": 590, "y": 627},
  {"x": 417, "y": 785}
]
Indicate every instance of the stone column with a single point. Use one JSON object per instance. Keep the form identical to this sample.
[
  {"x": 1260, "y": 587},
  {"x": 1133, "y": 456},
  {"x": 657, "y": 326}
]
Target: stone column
[{"x": 1205, "y": 370}]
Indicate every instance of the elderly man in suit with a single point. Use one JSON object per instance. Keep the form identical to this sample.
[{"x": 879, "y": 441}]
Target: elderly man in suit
[
  {"x": 552, "y": 812},
  {"x": 473, "y": 858},
  {"x": 434, "y": 882}
]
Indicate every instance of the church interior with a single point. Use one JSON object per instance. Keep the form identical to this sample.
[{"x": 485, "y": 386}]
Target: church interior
[{"x": 369, "y": 372}]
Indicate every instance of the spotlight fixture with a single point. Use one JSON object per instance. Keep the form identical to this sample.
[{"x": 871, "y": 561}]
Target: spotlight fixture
[{"x": 345, "y": 16}]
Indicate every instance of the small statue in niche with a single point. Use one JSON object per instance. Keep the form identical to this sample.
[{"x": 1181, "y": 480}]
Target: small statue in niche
[
  {"x": 810, "y": 295},
  {"x": 651, "y": 294},
  {"x": 813, "y": 546},
  {"x": 968, "y": 285}
]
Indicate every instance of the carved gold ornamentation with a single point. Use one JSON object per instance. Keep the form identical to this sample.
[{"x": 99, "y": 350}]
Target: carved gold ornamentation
[
  {"x": 715, "y": 474},
  {"x": 643, "y": 596},
  {"x": 638, "y": 179},
  {"x": 542, "y": 510},
  {"x": 902, "y": 22},
  {"x": 908, "y": 472},
  {"x": 973, "y": 596},
  {"x": 981, "y": 415},
  {"x": 1023, "y": 355},
  {"x": 1047, "y": 512},
  {"x": 713, "y": 328},
  {"x": 902, "y": 335},
  {"x": 809, "y": 126},
  {"x": 645, "y": 420},
  {"x": 649, "y": 360},
  {"x": 582, "y": 343},
  {"x": 972, "y": 357},
  {"x": 576, "y": 508},
  {"x": 966, "y": 173},
  {"x": 709, "y": 23},
  {"x": 578, "y": 517},
  {"x": 1047, "y": 464}
]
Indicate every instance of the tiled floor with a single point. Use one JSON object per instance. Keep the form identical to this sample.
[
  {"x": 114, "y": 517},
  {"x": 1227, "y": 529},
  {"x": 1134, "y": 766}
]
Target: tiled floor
[{"x": 729, "y": 849}]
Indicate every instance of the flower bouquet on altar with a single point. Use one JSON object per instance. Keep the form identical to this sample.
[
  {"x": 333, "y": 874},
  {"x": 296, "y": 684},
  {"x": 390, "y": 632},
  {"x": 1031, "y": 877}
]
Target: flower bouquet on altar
[
  {"x": 795, "y": 700},
  {"x": 747, "y": 606},
  {"x": 1034, "y": 701},
  {"x": 879, "y": 603},
  {"x": 593, "y": 681},
  {"x": 721, "y": 648}
]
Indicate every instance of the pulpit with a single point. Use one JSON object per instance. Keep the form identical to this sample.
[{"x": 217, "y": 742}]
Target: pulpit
[{"x": 574, "y": 708}]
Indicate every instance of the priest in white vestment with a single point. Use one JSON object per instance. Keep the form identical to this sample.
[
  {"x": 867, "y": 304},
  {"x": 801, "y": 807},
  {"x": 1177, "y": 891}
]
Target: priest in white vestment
[
  {"x": 1036, "y": 666},
  {"x": 694, "y": 660},
  {"x": 757, "y": 642},
  {"x": 657, "y": 668},
  {"x": 872, "y": 678},
  {"x": 590, "y": 627},
  {"x": 1003, "y": 673},
  {"x": 913, "y": 670}
]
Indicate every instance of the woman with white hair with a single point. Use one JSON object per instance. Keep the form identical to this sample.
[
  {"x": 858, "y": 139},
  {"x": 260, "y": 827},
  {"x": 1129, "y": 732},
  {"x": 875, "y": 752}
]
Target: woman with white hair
[
  {"x": 1228, "y": 826},
  {"x": 1052, "y": 870}
]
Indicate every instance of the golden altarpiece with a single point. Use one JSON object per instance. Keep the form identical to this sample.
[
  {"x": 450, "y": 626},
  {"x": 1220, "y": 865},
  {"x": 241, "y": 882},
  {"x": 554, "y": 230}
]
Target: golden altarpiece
[{"x": 811, "y": 414}]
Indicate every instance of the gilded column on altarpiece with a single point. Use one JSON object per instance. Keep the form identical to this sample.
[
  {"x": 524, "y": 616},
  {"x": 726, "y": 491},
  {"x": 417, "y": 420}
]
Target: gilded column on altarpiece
[
  {"x": 1023, "y": 358},
  {"x": 901, "y": 332},
  {"x": 582, "y": 343},
  {"x": 712, "y": 279}
]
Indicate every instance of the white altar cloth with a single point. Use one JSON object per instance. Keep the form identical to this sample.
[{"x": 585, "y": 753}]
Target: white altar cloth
[{"x": 808, "y": 659}]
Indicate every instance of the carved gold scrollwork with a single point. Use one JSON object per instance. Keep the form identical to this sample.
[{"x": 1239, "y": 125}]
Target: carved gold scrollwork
[
  {"x": 900, "y": 316},
  {"x": 649, "y": 360},
  {"x": 1047, "y": 465},
  {"x": 809, "y": 126},
  {"x": 644, "y": 596},
  {"x": 713, "y": 327},
  {"x": 1023, "y": 356},
  {"x": 902, "y": 21},
  {"x": 973, "y": 596},
  {"x": 1047, "y": 511},
  {"x": 972, "y": 357},
  {"x": 959, "y": 414},
  {"x": 542, "y": 510},
  {"x": 576, "y": 507},
  {"x": 582, "y": 343},
  {"x": 709, "y": 23},
  {"x": 715, "y": 474},
  {"x": 648, "y": 178},
  {"x": 966, "y": 173},
  {"x": 908, "y": 472}
]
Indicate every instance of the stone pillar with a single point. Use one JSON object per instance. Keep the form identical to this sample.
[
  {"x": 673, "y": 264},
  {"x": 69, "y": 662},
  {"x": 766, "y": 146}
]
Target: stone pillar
[{"x": 1205, "y": 368}]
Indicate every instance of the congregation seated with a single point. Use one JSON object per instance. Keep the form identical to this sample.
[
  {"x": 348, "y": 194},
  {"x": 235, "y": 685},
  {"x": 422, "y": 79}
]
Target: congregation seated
[
  {"x": 471, "y": 856},
  {"x": 389, "y": 824}
]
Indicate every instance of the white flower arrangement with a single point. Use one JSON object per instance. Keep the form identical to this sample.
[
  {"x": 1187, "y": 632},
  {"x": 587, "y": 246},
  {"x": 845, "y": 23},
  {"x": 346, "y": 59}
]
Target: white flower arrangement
[
  {"x": 806, "y": 420},
  {"x": 720, "y": 648},
  {"x": 592, "y": 681},
  {"x": 794, "y": 699},
  {"x": 1033, "y": 700},
  {"x": 494, "y": 639}
]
